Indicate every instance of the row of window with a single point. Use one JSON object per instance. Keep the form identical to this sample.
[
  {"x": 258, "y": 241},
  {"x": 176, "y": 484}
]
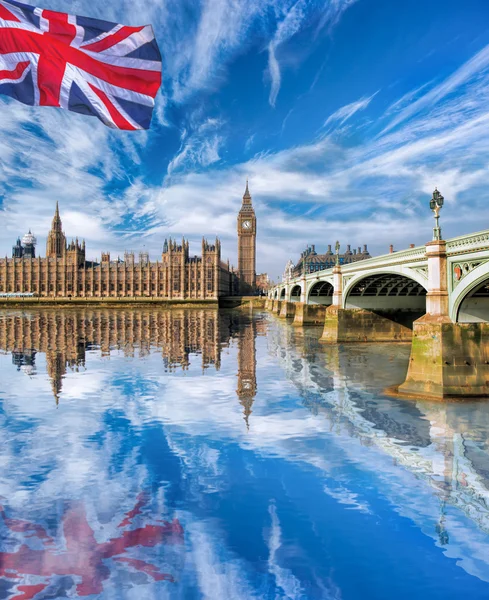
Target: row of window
[
  {"x": 103, "y": 287},
  {"x": 69, "y": 276}
]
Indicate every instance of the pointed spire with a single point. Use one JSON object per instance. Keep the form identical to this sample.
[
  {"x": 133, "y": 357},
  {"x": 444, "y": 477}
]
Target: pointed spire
[
  {"x": 56, "y": 226},
  {"x": 247, "y": 194}
]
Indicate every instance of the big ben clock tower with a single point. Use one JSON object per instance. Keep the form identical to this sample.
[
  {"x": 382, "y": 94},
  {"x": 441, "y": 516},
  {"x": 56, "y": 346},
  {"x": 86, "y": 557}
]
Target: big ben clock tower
[{"x": 247, "y": 245}]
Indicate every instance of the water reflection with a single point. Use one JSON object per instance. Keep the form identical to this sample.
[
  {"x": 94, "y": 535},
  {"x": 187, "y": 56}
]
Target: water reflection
[
  {"x": 66, "y": 336},
  {"x": 444, "y": 444},
  {"x": 205, "y": 454}
]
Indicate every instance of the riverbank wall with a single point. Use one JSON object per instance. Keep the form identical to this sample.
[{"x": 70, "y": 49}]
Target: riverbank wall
[
  {"x": 222, "y": 302},
  {"x": 103, "y": 302}
]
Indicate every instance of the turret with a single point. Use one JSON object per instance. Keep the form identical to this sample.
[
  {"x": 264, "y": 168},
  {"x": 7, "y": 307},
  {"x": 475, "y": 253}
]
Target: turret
[
  {"x": 56, "y": 242},
  {"x": 17, "y": 250}
]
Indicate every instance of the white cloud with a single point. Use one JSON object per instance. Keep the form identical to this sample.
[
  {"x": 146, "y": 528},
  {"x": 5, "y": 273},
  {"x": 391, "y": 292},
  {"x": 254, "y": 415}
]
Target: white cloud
[
  {"x": 197, "y": 152},
  {"x": 346, "y": 112},
  {"x": 473, "y": 67},
  {"x": 292, "y": 22},
  {"x": 288, "y": 27}
]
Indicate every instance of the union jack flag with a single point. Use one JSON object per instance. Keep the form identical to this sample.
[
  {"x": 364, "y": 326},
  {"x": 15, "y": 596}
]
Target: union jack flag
[{"x": 80, "y": 64}]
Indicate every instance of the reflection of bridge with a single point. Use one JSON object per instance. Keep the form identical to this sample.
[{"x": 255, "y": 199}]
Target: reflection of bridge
[
  {"x": 181, "y": 336},
  {"x": 383, "y": 298},
  {"x": 429, "y": 440}
]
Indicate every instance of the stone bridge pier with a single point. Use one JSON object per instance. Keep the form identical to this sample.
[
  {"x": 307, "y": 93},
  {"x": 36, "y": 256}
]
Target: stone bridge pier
[{"x": 447, "y": 359}]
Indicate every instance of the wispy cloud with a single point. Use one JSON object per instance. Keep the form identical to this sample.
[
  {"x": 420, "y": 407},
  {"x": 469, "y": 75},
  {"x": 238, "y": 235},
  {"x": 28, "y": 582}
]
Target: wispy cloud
[
  {"x": 201, "y": 141},
  {"x": 473, "y": 67},
  {"x": 197, "y": 153},
  {"x": 293, "y": 19},
  {"x": 288, "y": 27},
  {"x": 332, "y": 11},
  {"x": 284, "y": 578},
  {"x": 346, "y": 112}
]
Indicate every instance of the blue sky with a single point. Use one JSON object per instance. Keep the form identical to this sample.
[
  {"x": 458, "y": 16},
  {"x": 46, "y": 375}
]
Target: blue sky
[{"x": 344, "y": 114}]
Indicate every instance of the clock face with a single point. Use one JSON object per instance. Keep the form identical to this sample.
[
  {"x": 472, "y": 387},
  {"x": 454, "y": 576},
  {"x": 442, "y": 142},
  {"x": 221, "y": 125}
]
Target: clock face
[{"x": 246, "y": 225}]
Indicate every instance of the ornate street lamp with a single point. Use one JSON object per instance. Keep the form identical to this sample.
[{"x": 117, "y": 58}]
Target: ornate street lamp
[
  {"x": 337, "y": 249},
  {"x": 436, "y": 203}
]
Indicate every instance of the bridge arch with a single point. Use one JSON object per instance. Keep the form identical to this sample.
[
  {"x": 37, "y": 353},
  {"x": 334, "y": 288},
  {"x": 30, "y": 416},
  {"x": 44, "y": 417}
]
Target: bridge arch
[
  {"x": 321, "y": 292},
  {"x": 470, "y": 300},
  {"x": 282, "y": 294},
  {"x": 275, "y": 295},
  {"x": 295, "y": 293},
  {"x": 386, "y": 291}
]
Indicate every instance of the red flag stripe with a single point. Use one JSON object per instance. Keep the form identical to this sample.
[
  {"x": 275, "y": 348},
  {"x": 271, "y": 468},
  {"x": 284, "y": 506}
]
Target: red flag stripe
[
  {"x": 27, "y": 592},
  {"x": 16, "y": 73},
  {"x": 113, "y": 39},
  {"x": 6, "y": 15},
  {"x": 116, "y": 116},
  {"x": 50, "y": 77},
  {"x": 59, "y": 26}
]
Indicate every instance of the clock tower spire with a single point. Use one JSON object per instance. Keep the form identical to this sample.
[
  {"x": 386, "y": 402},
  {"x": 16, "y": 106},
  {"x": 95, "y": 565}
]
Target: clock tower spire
[{"x": 247, "y": 245}]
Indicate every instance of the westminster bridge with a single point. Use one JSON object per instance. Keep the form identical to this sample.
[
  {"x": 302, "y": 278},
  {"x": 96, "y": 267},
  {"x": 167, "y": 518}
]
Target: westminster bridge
[{"x": 436, "y": 296}]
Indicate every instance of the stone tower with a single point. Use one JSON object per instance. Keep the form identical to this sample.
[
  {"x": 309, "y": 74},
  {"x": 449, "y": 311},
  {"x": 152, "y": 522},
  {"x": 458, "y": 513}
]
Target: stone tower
[
  {"x": 247, "y": 245},
  {"x": 56, "y": 244}
]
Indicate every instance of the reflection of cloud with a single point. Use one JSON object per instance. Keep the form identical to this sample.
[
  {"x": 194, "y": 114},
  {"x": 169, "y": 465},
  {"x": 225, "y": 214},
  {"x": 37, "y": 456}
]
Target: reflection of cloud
[
  {"x": 350, "y": 499},
  {"x": 220, "y": 576},
  {"x": 284, "y": 578}
]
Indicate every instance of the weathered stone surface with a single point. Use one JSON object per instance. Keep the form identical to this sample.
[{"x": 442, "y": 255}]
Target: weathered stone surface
[
  {"x": 358, "y": 325},
  {"x": 277, "y": 304},
  {"x": 254, "y": 302},
  {"x": 308, "y": 314},
  {"x": 448, "y": 359},
  {"x": 287, "y": 310}
]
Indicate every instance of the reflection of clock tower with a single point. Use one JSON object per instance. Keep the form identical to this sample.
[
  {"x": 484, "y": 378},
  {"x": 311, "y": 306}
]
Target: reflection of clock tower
[
  {"x": 247, "y": 369},
  {"x": 247, "y": 245}
]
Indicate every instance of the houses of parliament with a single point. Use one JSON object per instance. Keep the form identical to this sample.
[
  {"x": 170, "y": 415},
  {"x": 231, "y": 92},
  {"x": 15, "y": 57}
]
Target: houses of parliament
[{"x": 65, "y": 273}]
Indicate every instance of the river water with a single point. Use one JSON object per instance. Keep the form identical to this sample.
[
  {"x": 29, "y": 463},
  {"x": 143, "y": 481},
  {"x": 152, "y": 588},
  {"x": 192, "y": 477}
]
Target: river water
[{"x": 187, "y": 454}]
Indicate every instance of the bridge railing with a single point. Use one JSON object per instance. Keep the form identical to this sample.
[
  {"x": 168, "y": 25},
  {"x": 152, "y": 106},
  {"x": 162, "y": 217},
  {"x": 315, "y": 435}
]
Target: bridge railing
[
  {"x": 399, "y": 256},
  {"x": 468, "y": 243}
]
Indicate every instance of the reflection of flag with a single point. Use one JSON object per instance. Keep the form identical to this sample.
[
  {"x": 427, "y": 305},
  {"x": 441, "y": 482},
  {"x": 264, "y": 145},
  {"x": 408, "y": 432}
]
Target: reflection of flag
[
  {"x": 31, "y": 567},
  {"x": 80, "y": 64}
]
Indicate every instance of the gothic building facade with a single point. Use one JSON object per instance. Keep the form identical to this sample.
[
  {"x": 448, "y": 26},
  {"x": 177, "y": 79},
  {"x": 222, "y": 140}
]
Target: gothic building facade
[
  {"x": 66, "y": 273},
  {"x": 311, "y": 261}
]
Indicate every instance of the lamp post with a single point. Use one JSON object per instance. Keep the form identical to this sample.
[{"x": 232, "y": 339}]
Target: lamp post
[{"x": 436, "y": 203}]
